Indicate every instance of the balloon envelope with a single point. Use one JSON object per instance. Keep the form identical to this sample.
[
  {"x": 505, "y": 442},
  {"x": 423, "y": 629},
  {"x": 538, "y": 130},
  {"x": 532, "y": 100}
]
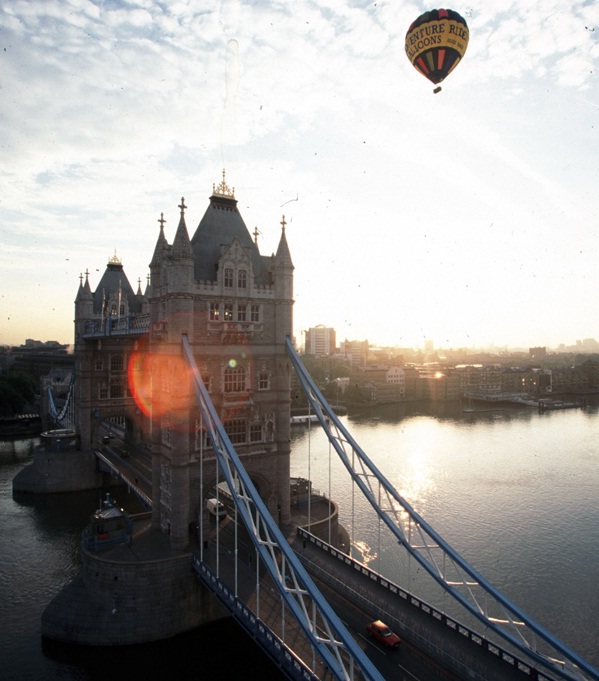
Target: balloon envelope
[{"x": 436, "y": 42}]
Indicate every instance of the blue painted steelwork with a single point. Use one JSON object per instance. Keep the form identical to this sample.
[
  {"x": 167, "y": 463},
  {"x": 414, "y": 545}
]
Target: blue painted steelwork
[
  {"x": 117, "y": 326},
  {"x": 127, "y": 477},
  {"x": 409, "y": 599},
  {"x": 336, "y": 647},
  {"x": 510, "y": 622},
  {"x": 64, "y": 418},
  {"x": 276, "y": 649}
]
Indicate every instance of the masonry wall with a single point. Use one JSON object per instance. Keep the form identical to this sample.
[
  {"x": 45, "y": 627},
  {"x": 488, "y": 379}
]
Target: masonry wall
[{"x": 121, "y": 603}]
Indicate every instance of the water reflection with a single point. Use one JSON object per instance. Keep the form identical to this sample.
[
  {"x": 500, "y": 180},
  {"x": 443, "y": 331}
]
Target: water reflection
[{"x": 512, "y": 490}]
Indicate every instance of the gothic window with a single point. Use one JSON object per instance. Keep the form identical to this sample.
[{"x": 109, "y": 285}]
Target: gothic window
[
  {"x": 263, "y": 381},
  {"x": 99, "y": 364},
  {"x": 113, "y": 310},
  {"x": 228, "y": 277},
  {"x": 214, "y": 311},
  {"x": 236, "y": 430},
  {"x": 103, "y": 392},
  {"x": 116, "y": 390},
  {"x": 242, "y": 278},
  {"x": 255, "y": 432},
  {"x": 255, "y": 313},
  {"x": 241, "y": 313},
  {"x": 122, "y": 311},
  {"x": 234, "y": 379},
  {"x": 228, "y": 312},
  {"x": 116, "y": 363}
]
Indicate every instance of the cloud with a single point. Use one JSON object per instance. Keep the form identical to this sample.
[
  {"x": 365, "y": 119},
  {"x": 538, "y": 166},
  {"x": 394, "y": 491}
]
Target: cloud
[{"x": 112, "y": 110}]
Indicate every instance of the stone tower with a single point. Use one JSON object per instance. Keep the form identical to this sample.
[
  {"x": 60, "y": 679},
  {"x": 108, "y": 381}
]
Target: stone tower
[
  {"x": 109, "y": 326},
  {"x": 235, "y": 306}
]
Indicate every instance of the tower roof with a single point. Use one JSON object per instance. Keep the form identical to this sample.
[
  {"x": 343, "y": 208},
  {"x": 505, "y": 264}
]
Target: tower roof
[
  {"x": 221, "y": 224},
  {"x": 283, "y": 255},
  {"x": 113, "y": 280}
]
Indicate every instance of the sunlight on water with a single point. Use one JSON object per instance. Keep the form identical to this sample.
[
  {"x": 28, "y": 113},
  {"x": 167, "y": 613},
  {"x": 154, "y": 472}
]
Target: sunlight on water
[{"x": 513, "y": 491}]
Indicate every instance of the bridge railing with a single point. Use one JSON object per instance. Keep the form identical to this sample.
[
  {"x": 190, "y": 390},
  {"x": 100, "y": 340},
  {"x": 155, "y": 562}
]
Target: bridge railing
[
  {"x": 114, "y": 326},
  {"x": 396, "y": 591},
  {"x": 267, "y": 639},
  {"x": 321, "y": 626},
  {"x": 441, "y": 561}
]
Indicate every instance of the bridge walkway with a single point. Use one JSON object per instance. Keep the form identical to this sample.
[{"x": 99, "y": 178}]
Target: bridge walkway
[
  {"x": 420, "y": 626},
  {"x": 257, "y": 591}
]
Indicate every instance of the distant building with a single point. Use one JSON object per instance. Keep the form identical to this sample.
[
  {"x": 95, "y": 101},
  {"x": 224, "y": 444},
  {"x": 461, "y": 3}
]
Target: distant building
[
  {"x": 355, "y": 352},
  {"x": 537, "y": 353},
  {"x": 320, "y": 340}
]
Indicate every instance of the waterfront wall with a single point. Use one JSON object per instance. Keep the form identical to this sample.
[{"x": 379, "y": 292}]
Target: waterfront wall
[{"x": 69, "y": 471}]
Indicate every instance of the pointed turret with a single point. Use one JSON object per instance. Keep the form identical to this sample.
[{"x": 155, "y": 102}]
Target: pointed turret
[
  {"x": 283, "y": 256},
  {"x": 283, "y": 267},
  {"x": 282, "y": 271},
  {"x": 161, "y": 251},
  {"x": 181, "y": 247},
  {"x": 180, "y": 263},
  {"x": 84, "y": 302}
]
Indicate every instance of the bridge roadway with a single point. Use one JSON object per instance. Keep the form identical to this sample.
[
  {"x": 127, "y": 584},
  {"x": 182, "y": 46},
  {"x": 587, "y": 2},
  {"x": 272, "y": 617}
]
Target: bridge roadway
[{"x": 434, "y": 646}]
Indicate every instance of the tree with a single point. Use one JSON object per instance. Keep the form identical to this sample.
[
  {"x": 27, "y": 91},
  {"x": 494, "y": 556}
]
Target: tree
[{"x": 16, "y": 391}]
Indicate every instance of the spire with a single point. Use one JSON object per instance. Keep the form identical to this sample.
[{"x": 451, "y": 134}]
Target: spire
[
  {"x": 283, "y": 256},
  {"x": 182, "y": 244},
  {"x": 161, "y": 244},
  {"x": 85, "y": 292}
]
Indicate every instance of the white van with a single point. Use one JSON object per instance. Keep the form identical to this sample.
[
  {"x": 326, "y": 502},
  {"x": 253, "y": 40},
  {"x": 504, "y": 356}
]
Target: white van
[{"x": 216, "y": 508}]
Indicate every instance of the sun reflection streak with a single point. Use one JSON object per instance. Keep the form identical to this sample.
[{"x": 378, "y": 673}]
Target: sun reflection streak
[{"x": 366, "y": 553}]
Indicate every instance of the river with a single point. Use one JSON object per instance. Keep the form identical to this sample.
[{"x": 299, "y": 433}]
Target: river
[{"x": 514, "y": 491}]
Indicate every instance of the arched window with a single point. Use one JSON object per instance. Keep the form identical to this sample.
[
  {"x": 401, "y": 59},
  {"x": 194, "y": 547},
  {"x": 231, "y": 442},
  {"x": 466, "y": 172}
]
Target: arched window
[
  {"x": 242, "y": 279},
  {"x": 228, "y": 281}
]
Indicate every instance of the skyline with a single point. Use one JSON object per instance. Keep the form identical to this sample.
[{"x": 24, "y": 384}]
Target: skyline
[{"x": 462, "y": 218}]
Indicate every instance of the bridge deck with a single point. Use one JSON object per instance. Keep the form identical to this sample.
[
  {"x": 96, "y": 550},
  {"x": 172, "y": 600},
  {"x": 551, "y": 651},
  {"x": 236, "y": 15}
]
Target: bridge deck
[
  {"x": 344, "y": 585},
  {"x": 341, "y": 583}
]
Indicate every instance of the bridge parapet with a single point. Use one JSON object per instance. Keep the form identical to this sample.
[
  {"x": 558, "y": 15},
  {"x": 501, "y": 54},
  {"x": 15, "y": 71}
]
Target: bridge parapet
[{"x": 430, "y": 612}]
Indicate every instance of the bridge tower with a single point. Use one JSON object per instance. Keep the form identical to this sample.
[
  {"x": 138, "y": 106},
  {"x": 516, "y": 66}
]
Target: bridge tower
[
  {"x": 109, "y": 326},
  {"x": 235, "y": 307}
]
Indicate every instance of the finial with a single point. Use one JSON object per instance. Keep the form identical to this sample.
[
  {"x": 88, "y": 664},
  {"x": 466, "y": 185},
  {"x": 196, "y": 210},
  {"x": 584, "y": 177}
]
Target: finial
[
  {"x": 115, "y": 260},
  {"x": 162, "y": 221},
  {"x": 182, "y": 206},
  {"x": 139, "y": 281},
  {"x": 81, "y": 279},
  {"x": 148, "y": 279},
  {"x": 86, "y": 275},
  {"x": 256, "y": 232},
  {"x": 283, "y": 223},
  {"x": 223, "y": 189}
]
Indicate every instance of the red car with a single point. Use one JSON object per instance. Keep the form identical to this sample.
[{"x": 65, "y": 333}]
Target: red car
[{"x": 381, "y": 632}]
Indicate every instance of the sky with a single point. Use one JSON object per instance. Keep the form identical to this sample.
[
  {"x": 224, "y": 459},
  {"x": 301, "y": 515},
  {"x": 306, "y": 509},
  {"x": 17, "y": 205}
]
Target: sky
[{"x": 467, "y": 218}]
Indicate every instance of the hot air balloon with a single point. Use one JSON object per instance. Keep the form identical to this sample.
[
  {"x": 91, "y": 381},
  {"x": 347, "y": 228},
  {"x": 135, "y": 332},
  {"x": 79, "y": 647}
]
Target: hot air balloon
[{"x": 436, "y": 42}]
